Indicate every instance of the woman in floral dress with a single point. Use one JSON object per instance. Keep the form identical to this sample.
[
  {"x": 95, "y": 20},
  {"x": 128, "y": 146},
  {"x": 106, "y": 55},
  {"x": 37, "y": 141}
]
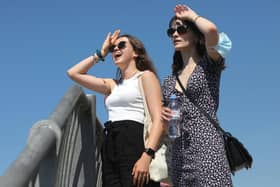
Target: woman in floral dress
[{"x": 198, "y": 155}]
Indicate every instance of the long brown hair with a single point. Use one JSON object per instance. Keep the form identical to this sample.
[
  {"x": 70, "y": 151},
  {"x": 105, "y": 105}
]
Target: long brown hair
[{"x": 143, "y": 61}]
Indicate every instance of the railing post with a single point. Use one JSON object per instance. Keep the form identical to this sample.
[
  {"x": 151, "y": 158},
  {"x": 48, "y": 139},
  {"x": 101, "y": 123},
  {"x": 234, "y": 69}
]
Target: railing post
[{"x": 24, "y": 167}]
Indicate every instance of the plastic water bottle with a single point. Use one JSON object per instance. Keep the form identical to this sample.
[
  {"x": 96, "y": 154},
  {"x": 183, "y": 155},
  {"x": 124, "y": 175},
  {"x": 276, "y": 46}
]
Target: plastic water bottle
[{"x": 174, "y": 130}]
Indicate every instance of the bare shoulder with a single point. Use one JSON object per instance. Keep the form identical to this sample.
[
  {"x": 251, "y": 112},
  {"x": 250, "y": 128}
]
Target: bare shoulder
[
  {"x": 150, "y": 81},
  {"x": 148, "y": 75}
]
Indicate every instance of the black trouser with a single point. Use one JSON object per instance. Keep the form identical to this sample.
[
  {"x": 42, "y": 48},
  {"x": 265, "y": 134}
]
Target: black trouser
[{"x": 122, "y": 147}]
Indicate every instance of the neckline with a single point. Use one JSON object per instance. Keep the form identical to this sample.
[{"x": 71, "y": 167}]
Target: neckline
[
  {"x": 131, "y": 76},
  {"x": 188, "y": 81}
]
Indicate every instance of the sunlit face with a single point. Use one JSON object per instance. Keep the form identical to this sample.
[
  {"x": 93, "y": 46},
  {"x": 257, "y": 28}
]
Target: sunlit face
[
  {"x": 122, "y": 51},
  {"x": 181, "y": 35}
]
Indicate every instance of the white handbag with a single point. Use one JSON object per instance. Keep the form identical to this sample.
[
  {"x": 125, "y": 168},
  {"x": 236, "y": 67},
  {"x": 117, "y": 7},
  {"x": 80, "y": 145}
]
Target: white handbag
[{"x": 158, "y": 167}]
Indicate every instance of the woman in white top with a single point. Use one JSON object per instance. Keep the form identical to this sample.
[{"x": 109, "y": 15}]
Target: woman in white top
[{"x": 125, "y": 158}]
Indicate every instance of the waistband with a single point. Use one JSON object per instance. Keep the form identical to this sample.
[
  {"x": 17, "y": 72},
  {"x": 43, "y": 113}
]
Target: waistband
[{"x": 110, "y": 125}]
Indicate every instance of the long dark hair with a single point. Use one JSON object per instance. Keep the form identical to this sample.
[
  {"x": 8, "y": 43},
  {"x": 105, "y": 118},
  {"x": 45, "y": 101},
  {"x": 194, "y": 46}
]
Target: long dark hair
[
  {"x": 200, "y": 45},
  {"x": 143, "y": 61}
]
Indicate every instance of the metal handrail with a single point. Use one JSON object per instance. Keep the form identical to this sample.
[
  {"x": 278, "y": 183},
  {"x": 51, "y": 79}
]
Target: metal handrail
[{"x": 44, "y": 158}]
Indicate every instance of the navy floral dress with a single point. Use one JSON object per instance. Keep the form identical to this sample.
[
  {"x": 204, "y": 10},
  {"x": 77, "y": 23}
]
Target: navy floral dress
[{"x": 198, "y": 156}]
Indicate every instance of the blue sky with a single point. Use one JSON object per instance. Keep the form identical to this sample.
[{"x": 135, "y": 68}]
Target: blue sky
[{"x": 40, "y": 40}]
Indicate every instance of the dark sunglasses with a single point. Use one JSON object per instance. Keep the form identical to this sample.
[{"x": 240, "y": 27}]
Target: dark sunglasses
[
  {"x": 181, "y": 29},
  {"x": 120, "y": 45}
]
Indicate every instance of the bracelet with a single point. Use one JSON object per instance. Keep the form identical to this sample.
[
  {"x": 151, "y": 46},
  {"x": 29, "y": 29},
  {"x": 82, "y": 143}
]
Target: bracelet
[
  {"x": 198, "y": 16},
  {"x": 99, "y": 55},
  {"x": 95, "y": 57}
]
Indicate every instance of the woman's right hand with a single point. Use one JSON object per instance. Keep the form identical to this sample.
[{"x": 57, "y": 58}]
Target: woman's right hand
[
  {"x": 184, "y": 12},
  {"x": 166, "y": 114},
  {"x": 109, "y": 40}
]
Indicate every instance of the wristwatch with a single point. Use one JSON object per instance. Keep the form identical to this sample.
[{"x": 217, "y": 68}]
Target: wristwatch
[{"x": 150, "y": 152}]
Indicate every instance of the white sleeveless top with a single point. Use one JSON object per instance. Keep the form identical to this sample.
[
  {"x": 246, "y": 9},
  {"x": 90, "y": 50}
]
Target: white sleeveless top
[{"x": 126, "y": 102}]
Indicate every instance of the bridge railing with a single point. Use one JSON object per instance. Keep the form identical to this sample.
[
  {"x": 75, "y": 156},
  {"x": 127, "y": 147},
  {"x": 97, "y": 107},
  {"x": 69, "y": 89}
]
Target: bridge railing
[{"x": 63, "y": 150}]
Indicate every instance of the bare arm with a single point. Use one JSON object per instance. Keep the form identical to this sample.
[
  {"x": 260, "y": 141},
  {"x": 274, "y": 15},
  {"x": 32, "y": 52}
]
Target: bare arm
[
  {"x": 79, "y": 74},
  {"x": 152, "y": 91}
]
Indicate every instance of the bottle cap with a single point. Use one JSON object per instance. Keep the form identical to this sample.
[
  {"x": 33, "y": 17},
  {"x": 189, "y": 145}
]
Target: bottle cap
[{"x": 173, "y": 96}]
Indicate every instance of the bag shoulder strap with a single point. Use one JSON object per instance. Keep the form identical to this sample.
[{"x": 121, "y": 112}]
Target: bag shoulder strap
[
  {"x": 218, "y": 127},
  {"x": 140, "y": 85},
  {"x": 141, "y": 89}
]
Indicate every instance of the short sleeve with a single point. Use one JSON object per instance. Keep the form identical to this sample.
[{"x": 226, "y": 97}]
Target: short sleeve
[{"x": 224, "y": 45}]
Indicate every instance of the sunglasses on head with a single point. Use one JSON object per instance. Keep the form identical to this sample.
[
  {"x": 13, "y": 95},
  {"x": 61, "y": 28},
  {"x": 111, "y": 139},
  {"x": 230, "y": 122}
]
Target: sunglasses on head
[
  {"x": 181, "y": 29},
  {"x": 120, "y": 45}
]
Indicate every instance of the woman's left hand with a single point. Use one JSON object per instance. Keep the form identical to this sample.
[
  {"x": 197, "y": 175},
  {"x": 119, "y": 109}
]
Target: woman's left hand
[{"x": 140, "y": 170}]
